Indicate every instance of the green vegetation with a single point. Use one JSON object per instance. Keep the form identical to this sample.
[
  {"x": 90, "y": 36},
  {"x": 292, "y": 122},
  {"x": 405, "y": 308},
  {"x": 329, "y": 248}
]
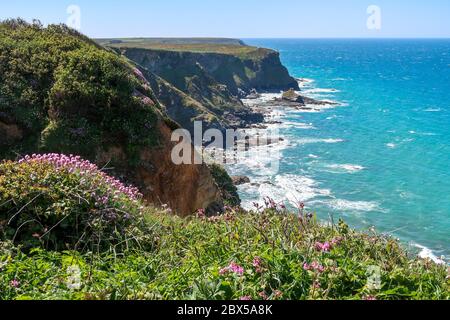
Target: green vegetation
[
  {"x": 220, "y": 46},
  {"x": 226, "y": 185},
  {"x": 60, "y": 91},
  {"x": 265, "y": 254}
]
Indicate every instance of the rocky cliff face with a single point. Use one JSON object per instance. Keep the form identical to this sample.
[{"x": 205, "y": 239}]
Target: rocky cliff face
[
  {"x": 62, "y": 93},
  {"x": 212, "y": 83}
]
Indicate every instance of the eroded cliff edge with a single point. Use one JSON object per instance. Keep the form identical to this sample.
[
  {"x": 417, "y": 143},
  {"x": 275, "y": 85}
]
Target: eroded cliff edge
[{"x": 207, "y": 80}]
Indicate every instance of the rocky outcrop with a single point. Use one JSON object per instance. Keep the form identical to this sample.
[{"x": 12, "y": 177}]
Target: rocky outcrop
[
  {"x": 208, "y": 86},
  {"x": 240, "y": 180},
  {"x": 291, "y": 97}
]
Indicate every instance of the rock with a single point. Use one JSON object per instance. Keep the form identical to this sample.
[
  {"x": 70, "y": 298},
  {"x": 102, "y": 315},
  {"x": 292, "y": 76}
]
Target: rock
[
  {"x": 253, "y": 95},
  {"x": 239, "y": 180}
]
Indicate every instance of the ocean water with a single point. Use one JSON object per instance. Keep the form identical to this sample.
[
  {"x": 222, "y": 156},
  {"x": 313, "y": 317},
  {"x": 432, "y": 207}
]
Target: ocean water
[{"x": 382, "y": 157}]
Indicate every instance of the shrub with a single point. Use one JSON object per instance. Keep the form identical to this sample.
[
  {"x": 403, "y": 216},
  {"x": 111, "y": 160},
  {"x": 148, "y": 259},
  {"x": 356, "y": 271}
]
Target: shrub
[
  {"x": 225, "y": 184},
  {"x": 62, "y": 202},
  {"x": 67, "y": 94}
]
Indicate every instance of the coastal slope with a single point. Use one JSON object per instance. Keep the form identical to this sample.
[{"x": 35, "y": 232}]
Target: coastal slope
[
  {"x": 63, "y": 93},
  {"x": 213, "y": 74}
]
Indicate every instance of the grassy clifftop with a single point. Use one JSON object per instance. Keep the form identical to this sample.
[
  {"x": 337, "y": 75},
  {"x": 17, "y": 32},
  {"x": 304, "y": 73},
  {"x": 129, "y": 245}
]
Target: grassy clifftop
[{"x": 226, "y": 46}]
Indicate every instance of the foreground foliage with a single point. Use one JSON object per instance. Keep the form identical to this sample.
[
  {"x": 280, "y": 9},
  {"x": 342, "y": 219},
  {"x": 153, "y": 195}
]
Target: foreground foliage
[
  {"x": 260, "y": 255},
  {"x": 69, "y": 231}
]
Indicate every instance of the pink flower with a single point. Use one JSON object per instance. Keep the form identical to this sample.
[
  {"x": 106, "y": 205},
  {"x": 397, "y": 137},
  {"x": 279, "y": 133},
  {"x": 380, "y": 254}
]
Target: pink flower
[
  {"x": 369, "y": 298},
  {"x": 233, "y": 268},
  {"x": 245, "y": 298},
  {"x": 263, "y": 295},
  {"x": 236, "y": 268},
  {"x": 316, "y": 284},
  {"x": 324, "y": 247},
  {"x": 257, "y": 262},
  {"x": 15, "y": 283},
  {"x": 314, "y": 266}
]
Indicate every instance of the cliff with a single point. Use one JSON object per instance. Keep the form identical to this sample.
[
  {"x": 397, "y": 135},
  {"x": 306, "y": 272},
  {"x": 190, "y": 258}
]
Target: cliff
[
  {"x": 213, "y": 75},
  {"x": 61, "y": 92}
]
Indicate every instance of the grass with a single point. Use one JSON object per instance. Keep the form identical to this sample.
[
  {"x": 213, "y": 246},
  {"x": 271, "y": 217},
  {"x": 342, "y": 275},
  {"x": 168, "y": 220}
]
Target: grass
[
  {"x": 48, "y": 207},
  {"x": 241, "y": 51}
]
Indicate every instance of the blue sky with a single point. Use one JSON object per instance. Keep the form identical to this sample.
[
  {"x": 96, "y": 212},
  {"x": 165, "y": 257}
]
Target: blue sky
[{"x": 242, "y": 18}]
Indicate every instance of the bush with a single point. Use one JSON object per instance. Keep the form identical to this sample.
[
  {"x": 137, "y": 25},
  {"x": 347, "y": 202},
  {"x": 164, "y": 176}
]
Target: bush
[
  {"x": 225, "y": 184},
  {"x": 66, "y": 94},
  {"x": 63, "y": 202}
]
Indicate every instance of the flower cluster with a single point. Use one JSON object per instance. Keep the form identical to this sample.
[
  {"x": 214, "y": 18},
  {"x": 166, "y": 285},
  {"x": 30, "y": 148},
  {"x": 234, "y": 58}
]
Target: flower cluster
[
  {"x": 74, "y": 164},
  {"x": 327, "y": 246},
  {"x": 257, "y": 264},
  {"x": 232, "y": 268},
  {"x": 314, "y": 266},
  {"x": 14, "y": 283}
]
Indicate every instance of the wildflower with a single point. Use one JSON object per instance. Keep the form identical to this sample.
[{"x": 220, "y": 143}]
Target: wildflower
[
  {"x": 245, "y": 298},
  {"x": 316, "y": 284},
  {"x": 257, "y": 263},
  {"x": 263, "y": 295},
  {"x": 201, "y": 213},
  {"x": 317, "y": 267},
  {"x": 277, "y": 294},
  {"x": 336, "y": 241},
  {"x": 324, "y": 247},
  {"x": 306, "y": 267},
  {"x": 369, "y": 298},
  {"x": 233, "y": 268},
  {"x": 236, "y": 268},
  {"x": 15, "y": 283}
]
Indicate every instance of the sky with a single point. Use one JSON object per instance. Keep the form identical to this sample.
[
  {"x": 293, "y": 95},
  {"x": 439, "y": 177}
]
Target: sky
[{"x": 243, "y": 18}]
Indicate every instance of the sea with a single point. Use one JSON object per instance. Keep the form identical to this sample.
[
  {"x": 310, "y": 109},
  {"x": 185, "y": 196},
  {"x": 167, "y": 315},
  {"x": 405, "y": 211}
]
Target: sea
[{"x": 380, "y": 157}]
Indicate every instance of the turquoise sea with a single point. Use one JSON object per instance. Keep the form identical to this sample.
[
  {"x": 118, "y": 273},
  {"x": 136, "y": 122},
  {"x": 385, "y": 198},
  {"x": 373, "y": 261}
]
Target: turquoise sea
[{"x": 381, "y": 159}]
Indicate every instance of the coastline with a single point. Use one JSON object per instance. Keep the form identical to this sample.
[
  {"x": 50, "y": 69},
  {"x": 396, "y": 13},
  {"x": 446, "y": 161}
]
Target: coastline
[{"x": 274, "y": 110}]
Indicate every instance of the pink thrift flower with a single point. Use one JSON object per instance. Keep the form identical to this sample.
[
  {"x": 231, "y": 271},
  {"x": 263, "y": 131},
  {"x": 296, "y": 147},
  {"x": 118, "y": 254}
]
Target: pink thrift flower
[
  {"x": 263, "y": 295},
  {"x": 245, "y": 298},
  {"x": 14, "y": 283}
]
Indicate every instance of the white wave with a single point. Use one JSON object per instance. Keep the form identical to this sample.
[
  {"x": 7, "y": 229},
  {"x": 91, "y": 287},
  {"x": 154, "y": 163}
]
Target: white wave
[
  {"x": 313, "y": 156},
  {"x": 433, "y": 110},
  {"x": 298, "y": 125},
  {"x": 422, "y": 133},
  {"x": 317, "y": 140},
  {"x": 351, "y": 168},
  {"x": 321, "y": 90},
  {"x": 288, "y": 188},
  {"x": 426, "y": 253},
  {"x": 347, "y": 205},
  {"x": 391, "y": 145}
]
